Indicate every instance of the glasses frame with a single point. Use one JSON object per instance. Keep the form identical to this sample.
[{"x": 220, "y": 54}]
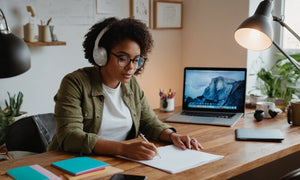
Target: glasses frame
[{"x": 130, "y": 60}]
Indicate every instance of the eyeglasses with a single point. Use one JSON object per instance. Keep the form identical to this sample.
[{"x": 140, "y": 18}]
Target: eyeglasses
[{"x": 124, "y": 60}]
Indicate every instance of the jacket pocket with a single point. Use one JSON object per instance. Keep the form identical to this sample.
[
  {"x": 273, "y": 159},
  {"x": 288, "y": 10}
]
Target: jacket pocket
[{"x": 87, "y": 120}]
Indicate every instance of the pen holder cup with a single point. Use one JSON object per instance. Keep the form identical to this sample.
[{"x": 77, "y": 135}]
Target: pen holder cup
[
  {"x": 167, "y": 105},
  {"x": 44, "y": 34}
]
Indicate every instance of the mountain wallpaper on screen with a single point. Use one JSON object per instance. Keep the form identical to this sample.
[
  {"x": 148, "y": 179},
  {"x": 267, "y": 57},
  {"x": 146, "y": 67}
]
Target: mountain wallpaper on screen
[{"x": 221, "y": 92}]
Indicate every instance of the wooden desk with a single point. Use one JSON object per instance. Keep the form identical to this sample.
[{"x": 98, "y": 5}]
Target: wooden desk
[{"x": 240, "y": 156}]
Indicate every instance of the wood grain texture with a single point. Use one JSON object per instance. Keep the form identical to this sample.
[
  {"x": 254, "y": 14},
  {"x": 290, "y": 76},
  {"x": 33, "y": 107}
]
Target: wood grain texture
[
  {"x": 239, "y": 156},
  {"x": 37, "y": 44}
]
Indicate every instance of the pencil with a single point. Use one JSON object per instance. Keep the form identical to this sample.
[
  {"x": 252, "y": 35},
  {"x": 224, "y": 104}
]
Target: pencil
[
  {"x": 48, "y": 22},
  {"x": 144, "y": 138}
]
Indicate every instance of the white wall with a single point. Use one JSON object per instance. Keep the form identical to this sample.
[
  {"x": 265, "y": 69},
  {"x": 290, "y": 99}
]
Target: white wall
[
  {"x": 48, "y": 65},
  {"x": 205, "y": 40}
]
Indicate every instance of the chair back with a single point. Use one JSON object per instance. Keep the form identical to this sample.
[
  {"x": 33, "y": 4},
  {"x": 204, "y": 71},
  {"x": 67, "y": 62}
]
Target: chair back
[{"x": 32, "y": 133}]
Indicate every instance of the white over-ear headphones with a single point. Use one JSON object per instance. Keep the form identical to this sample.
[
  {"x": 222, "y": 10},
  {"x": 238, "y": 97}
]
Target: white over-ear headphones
[{"x": 99, "y": 53}]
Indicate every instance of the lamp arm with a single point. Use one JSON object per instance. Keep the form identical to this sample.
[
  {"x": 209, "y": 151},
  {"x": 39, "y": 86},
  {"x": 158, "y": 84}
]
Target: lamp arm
[
  {"x": 293, "y": 61},
  {"x": 280, "y": 21},
  {"x": 2, "y": 14}
]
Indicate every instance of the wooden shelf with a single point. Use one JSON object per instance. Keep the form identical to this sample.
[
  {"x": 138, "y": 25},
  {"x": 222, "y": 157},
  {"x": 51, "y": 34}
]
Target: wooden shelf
[{"x": 54, "y": 43}]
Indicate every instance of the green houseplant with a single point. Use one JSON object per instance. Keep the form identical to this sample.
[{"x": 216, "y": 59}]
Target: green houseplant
[
  {"x": 8, "y": 114},
  {"x": 280, "y": 81}
]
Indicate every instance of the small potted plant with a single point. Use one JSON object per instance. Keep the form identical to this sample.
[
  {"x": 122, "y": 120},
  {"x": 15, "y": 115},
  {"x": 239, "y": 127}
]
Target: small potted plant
[
  {"x": 279, "y": 83},
  {"x": 253, "y": 99},
  {"x": 10, "y": 113}
]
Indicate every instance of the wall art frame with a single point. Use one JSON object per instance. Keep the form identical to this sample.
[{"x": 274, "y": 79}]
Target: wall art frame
[
  {"x": 141, "y": 10},
  {"x": 168, "y": 14}
]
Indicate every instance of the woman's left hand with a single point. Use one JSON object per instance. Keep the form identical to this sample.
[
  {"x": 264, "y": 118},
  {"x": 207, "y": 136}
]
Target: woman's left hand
[{"x": 185, "y": 142}]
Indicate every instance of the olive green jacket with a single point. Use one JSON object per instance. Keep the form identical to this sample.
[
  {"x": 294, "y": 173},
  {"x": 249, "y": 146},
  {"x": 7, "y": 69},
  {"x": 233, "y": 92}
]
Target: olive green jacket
[{"x": 79, "y": 106}]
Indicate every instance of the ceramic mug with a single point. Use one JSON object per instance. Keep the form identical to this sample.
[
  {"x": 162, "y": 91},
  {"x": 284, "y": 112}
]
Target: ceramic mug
[
  {"x": 293, "y": 114},
  {"x": 266, "y": 107}
]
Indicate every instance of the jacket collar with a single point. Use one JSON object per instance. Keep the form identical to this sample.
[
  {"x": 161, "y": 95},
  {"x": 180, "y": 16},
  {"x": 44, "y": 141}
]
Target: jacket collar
[
  {"x": 96, "y": 82},
  {"x": 126, "y": 90}
]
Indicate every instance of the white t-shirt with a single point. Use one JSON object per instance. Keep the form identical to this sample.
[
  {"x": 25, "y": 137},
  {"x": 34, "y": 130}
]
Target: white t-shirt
[{"x": 116, "y": 119}]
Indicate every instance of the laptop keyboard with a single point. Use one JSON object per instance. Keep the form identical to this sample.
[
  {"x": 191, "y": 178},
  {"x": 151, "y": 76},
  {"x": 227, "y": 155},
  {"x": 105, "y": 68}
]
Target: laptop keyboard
[{"x": 205, "y": 114}]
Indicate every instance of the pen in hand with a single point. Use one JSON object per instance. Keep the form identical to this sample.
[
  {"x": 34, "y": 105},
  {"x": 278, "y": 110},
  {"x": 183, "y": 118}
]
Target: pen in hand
[{"x": 144, "y": 138}]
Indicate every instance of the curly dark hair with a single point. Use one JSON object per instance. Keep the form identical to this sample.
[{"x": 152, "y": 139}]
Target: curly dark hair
[{"x": 118, "y": 31}]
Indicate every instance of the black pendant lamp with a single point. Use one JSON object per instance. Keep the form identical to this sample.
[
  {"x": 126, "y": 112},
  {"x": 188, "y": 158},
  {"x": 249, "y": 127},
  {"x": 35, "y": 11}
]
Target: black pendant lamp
[{"x": 14, "y": 53}]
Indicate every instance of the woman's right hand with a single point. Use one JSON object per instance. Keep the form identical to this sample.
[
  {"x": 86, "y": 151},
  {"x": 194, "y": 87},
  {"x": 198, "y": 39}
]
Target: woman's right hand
[{"x": 139, "y": 150}]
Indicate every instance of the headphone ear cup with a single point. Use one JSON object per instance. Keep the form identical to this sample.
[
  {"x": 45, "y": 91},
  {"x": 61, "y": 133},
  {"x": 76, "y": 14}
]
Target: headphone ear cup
[
  {"x": 100, "y": 56},
  {"x": 99, "y": 53}
]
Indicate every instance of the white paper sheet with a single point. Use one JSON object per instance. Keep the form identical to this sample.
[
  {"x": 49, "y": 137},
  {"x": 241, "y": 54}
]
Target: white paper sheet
[{"x": 174, "y": 159}]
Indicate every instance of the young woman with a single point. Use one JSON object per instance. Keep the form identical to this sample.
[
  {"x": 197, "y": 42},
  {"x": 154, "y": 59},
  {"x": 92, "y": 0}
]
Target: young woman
[{"x": 98, "y": 108}]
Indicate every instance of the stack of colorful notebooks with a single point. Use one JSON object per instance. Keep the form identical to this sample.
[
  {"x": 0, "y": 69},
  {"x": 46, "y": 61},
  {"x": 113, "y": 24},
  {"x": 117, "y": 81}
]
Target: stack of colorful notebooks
[
  {"x": 75, "y": 168},
  {"x": 80, "y": 165}
]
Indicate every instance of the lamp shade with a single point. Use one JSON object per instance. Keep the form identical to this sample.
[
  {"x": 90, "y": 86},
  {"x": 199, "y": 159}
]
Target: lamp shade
[
  {"x": 256, "y": 32},
  {"x": 14, "y": 53}
]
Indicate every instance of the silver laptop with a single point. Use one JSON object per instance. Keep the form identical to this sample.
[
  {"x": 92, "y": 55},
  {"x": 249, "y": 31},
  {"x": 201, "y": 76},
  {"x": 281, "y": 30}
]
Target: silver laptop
[{"x": 212, "y": 96}]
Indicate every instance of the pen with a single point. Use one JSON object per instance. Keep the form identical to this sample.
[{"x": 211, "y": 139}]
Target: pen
[
  {"x": 166, "y": 95},
  {"x": 144, "y": 138},
  {"x": 48, "y": 22}
]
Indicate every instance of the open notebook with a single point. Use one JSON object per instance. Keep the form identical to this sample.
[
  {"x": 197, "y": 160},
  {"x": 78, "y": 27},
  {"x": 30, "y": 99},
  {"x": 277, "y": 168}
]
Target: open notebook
[
  {"x": 212, "y": 96},
  {"x": 174, "y": 159}
]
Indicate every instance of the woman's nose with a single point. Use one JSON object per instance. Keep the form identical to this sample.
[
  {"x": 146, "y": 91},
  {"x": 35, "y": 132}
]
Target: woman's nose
[{"x": 130, "y": 65}]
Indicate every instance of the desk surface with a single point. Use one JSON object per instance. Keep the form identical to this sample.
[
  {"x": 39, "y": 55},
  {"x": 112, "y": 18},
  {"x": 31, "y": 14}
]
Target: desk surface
[{"x": 239, "y": 156}]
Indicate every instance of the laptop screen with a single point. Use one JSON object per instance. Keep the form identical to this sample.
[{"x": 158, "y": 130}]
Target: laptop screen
[{"x": 214, "y": 89}]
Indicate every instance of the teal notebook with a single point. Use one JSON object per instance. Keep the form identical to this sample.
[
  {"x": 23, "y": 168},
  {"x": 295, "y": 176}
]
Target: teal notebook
[
  {"x": 26, "y": 173},
  {"x": 80, "y": 165}
]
